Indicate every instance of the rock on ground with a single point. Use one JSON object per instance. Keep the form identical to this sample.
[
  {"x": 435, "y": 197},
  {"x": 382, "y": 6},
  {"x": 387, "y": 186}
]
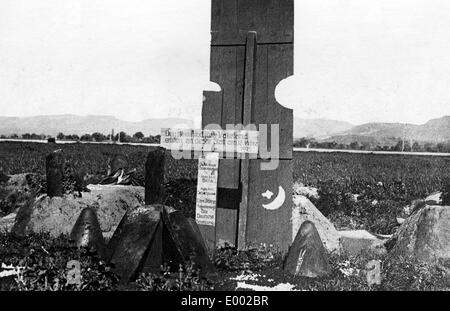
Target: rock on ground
[
  {"x": 353, "y": 242},
  {"x": 305, "y": 210},
  {"x": 7, "y": 222},
  {"x": 434, "y": 198},
  {"x": 307, "y": 191},
  {"x": 425, "y": 235},
  {"x": 58, "y": 215}
]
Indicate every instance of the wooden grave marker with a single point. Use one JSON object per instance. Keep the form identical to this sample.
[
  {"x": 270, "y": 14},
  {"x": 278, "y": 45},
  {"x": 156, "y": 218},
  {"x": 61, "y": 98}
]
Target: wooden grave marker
[
  {"x": 251, "y": 52},
  {"x": 252, "y": 43}
]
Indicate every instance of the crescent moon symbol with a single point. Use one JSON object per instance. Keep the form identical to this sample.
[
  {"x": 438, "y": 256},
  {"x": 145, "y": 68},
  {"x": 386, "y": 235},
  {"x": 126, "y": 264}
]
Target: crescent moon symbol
[{"x": 278, "y": 201}]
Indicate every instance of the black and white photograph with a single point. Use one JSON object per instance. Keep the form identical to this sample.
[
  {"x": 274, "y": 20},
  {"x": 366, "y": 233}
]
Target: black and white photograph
[{"x": 224, "y": 146}]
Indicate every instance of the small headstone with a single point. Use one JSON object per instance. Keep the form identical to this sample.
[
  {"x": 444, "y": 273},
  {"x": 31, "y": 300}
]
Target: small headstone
[
  {"x": 80, "y": 181},
  {"x": 188, "y": 240},
  {"x": 87, "y": 233},
  {"x": 305, "y": 210},
  {"x": 132, "y": 239},
  {"x": 307, "y": 255},
  {"x": 55, "y": 173},
  {"x": 373, "y": 272}
]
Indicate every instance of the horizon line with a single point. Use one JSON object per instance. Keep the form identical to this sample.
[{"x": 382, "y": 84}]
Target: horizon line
[{"x": 193, "y": 119}]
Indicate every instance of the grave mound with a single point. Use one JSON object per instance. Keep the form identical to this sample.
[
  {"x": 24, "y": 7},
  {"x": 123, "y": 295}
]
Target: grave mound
[{"x": 57, "y": 215}]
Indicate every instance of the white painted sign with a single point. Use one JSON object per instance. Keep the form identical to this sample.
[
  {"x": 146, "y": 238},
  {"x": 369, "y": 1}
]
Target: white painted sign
[
  {"x": 205, "y": 208},
  {"x": 240, "y": 141}
]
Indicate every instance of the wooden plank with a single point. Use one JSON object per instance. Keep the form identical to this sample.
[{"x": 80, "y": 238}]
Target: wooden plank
[
  {"x": 227, "y": 65},
  {"x": 265, "y": 225},
  {"x": 274, "y": 63},
  {"x": 280, "y": 67},
  {"x": 231, "y": 20},
  {"x": 228, "y": 173},
  {"x": 224, "y": 16},
  {"x": 239, "y": 84},
  {"x": 261, "y": 97},
  {"x": 249, "y": 90},
  {"x": 226, "y": 228},
  {"x": 249, "y": 82},
  {"x": 211, "y": 108}
]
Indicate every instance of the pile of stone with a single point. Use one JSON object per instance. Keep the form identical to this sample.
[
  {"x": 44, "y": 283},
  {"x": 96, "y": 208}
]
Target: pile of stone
[
  {"x": 115, "y": 222},
  {"x": 425, "y": 235}
]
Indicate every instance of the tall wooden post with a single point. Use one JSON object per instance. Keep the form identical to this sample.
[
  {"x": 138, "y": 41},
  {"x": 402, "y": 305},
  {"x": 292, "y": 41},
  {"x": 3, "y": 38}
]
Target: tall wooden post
[
  {"x": 54, "y": 163},
  {"x": 249, "y": 93}
]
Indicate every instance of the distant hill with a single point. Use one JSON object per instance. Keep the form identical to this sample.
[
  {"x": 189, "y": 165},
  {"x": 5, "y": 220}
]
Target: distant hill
[
  {"x": 434, "y": 131},
  {"x": 73, "y": 124},
  {"x": 316, "y": 128}
]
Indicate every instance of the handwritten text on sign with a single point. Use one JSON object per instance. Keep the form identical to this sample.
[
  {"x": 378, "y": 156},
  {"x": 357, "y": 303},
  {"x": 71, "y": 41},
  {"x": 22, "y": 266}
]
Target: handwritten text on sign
[
  {"x": 205, "y": 209},
  {"x": 240, "y": 141}
]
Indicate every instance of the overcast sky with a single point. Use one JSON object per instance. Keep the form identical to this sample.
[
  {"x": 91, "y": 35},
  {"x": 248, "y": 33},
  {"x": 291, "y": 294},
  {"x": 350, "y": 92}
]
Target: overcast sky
[{"x": 355, "y": 60}]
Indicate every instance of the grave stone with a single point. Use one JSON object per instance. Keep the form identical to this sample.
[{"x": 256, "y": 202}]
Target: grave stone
[
  {"x": 154, "y": 176},
  {"x": 54, "y": 164},
  {"x": 307, "y": 255},
  {"x": 130, "y": 243},
  {"x": 149, "y": 236},
  {"x": 87, "y": 232}
]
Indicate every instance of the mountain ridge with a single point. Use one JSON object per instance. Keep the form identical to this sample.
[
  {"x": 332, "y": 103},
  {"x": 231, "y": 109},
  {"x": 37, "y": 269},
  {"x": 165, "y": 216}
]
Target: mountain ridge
[
  {"x": 384, "y": 133},
  {"x": 434, "y": 131},
  {"x": 74, "y": 124}
]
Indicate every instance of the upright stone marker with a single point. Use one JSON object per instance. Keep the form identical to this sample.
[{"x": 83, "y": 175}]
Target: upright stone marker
[
  {"x": 154, "y": 176},
  {"x": 54, "y": 165},
  {"x": 251, "y": 52},
  {"x": 87, "y": 232}
]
